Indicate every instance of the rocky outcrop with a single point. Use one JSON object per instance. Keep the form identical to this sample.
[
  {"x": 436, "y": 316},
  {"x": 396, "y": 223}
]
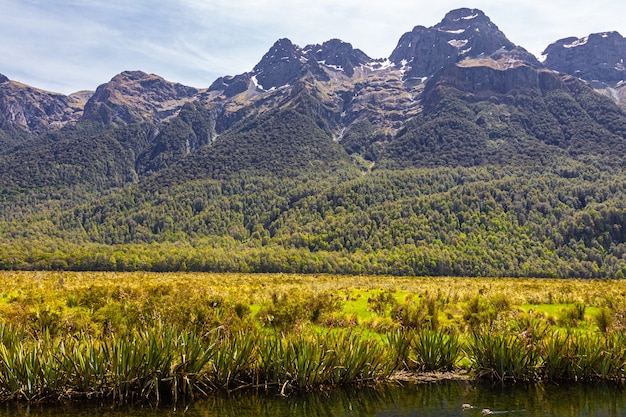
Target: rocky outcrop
[
  {"x": 463, "y": 33},
  {"x": 282, "y": 65},
  {"x": 134, "y": 96},
  {"x": 37, "y": 111},
  {"x": 231, "y": 86},
  {"x": 490, "y": 77},
  {"x": 599, "y": 57},
  {"x": 337, "y": 55}
]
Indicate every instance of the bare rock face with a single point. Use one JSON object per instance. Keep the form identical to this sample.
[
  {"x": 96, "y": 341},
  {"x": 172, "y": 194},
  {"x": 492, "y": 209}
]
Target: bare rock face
[
  {"x": 280, "y": 66},
  {"x": 231, "y": 86},
  {"x": 489, "y": 78},
  {"x": 338, "y": 55},
  {"x": 463, "y": 33},
  {"x": 599, "y": 57},
  {"x": 134, "y": 96},
  {"x": 37, "y": 111}
]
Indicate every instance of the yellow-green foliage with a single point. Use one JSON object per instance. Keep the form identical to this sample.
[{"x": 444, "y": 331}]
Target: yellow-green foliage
[
  {"x": 121, "y": 335},
  {"x": 93, "y": 302}
]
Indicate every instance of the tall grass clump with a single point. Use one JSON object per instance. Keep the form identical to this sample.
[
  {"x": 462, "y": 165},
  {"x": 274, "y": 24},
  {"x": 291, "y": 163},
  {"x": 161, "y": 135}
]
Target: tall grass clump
[
  {"x": 559, "y": 357},
  {"x": 399, "y": 348},
  {"x": 234, "y": 360},
  {"x": 501, "y": 356},
  {"x": 587, "y": 357},
  {"x": 604, "y": 320},
  {"x": 305, "y": 361},
  {"x": 436, "y": 350},
  {"x": 150, "y": 364},
  {"x": 30, "y": 371}
]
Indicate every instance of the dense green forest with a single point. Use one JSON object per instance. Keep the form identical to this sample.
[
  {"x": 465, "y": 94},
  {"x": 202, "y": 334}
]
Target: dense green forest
[
  {"x": 527, "y": 182},
  {"x": 563, "y": 221}
]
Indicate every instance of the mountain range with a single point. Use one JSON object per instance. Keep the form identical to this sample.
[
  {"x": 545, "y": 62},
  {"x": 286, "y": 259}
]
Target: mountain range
[{"x": 457, "y": 114}]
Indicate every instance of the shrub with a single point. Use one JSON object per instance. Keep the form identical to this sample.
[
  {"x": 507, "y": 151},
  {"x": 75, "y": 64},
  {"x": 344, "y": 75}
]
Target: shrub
[
  {"x": 604, "y": 320},
  {"x": 382, "y": 303}
]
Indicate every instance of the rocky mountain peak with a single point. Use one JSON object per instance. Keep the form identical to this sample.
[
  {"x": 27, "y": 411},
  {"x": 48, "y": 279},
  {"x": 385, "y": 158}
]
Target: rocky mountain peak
[
  {"x": 599, "y": 57},
  {"x": 231, "y": 86},
  {"x": 35, "y": 110},
  {"x": 461, "y": 34},
  {"x": 338, "y": 55},
  {"x": 280, "y": 65},
  {"x": 463, "y": 18},
  {"x": 134, "y": 96}
]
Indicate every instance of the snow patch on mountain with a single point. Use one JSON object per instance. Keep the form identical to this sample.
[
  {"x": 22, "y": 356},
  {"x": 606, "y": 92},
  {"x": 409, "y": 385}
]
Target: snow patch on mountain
[
  {"x": 255, "y": 81},
  {"x": 577, "y": 42},
  {"x": 378, "y": 65},
  {"x": 454, "y": 32},
  {"x": 458, "y": 43},
  {"x": 331, "y": 66}
]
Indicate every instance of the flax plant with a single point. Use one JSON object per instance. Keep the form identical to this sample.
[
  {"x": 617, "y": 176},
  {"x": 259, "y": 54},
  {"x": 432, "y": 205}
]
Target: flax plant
[
  {"x": 85, "y": 367},
  {"x": 436, "y": 350},
  {"x": 234, "y": 360},
  {"x": 502, "y": 357}
]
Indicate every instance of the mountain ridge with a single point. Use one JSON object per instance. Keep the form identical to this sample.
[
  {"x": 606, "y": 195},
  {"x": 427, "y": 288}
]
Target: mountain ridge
[
  {"x": 462, "y": 34},
  {"x": 459, "y": 154},
  {"x": 337, "y": 86}
]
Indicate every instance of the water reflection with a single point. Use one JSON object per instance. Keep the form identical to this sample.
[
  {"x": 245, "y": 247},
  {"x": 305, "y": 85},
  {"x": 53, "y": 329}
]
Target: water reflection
[{"x": 441, "y": 400}]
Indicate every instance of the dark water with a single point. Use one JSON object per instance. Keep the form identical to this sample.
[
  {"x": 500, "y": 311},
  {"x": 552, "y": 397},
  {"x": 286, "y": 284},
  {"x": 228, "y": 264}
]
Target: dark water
[{"x": 441, "y": 399}]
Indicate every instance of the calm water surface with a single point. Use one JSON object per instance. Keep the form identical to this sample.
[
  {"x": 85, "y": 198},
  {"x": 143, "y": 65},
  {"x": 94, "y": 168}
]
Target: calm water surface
[{"x": 441, "y": 399}]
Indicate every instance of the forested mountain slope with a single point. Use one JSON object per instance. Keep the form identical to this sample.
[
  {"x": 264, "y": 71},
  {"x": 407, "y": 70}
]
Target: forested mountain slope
[{"x": 459, "y": 154}]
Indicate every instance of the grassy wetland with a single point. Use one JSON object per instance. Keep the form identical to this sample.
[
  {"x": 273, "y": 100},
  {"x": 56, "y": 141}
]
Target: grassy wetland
[{"x": 153, "y": 337}]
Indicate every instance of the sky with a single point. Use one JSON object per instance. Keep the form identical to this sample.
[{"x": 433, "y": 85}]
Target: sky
[{"x": 71, "y": 45}]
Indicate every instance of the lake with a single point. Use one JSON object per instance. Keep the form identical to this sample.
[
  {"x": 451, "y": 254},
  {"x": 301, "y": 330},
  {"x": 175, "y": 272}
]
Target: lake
[{"x": 443, "y": 399}]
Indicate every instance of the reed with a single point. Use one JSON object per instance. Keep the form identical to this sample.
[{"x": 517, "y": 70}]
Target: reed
[
  {"x": 600, "y": 357},
  {"x": 187, "y": 372},
  {"x": 85, "y": 367},
  {"x": 359, "y": 359},
  {"x": 558, "y": 354},
  {"x": 398, "y": 344}
]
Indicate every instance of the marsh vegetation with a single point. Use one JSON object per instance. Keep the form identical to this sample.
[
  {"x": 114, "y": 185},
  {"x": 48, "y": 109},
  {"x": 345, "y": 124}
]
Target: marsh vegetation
[{"x": 158, "y": 337}]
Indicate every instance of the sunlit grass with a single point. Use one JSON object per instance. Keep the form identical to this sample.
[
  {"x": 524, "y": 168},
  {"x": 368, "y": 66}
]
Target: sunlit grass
[{"x": 148, "y": 335}]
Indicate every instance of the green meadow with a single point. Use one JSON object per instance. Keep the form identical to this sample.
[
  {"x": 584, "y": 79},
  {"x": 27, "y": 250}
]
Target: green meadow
[{"x": 172, "y": 336}]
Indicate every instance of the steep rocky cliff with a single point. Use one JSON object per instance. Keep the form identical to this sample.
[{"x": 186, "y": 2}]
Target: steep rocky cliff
[{"x": 38, "y": 111}]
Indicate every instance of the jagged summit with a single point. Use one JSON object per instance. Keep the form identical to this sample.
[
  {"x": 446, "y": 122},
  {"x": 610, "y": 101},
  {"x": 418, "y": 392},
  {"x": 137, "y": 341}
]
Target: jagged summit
[
  {"x": 462, "y": 33},
  {"x": 338, "y": 83},
  {"x": 598, "y": 57},
  {"x": 463, "y": 18},
  {"x": 283, "y": 63},
  {"x": 338, "y": 55},
  {"x": 286, "y": 62},
  {"x": 38, "y": 111}
]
